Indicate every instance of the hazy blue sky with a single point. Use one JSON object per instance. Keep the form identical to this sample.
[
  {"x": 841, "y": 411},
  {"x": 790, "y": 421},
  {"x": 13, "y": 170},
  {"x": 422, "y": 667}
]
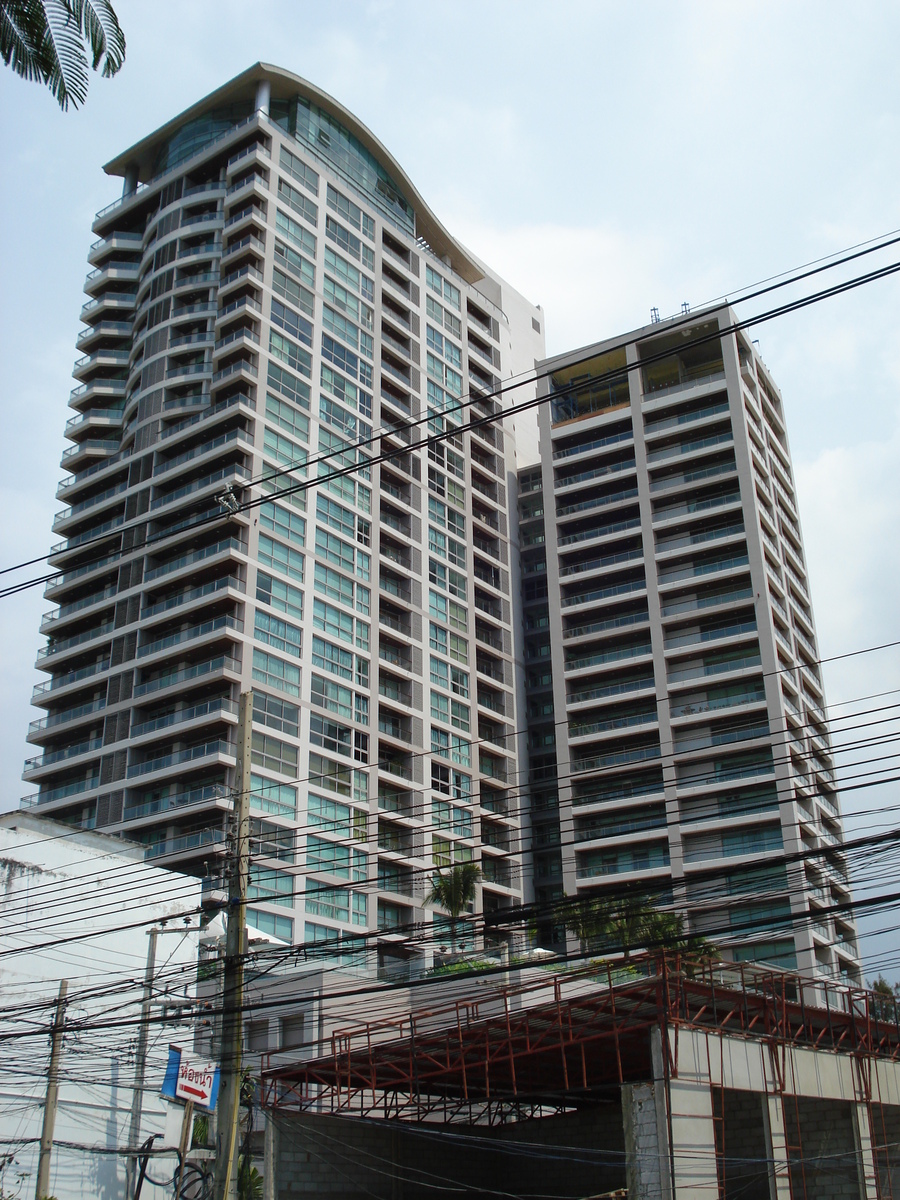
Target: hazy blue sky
[{"x": 603, "y": 157}]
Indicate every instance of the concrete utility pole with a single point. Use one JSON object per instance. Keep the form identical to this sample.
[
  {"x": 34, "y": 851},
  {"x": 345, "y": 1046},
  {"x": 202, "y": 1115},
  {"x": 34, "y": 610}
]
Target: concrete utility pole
[
  {"x": 233, "y": 974},
  {"x": 140, "y": 1067},
  {"x": 56, "y": 1039}
]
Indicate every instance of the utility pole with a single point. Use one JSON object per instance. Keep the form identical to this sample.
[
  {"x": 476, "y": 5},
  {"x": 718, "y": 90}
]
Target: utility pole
[
  {"x": 233, "y": 974},
  {"x": 56, "y": 1039},
  {"x": 140, "y": 1066}
]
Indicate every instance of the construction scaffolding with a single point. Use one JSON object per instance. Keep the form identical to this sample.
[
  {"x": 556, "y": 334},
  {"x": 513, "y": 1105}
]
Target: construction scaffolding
[
  {"x": 727, "y": 1052},
  {"x": 547, "y": 1043}
]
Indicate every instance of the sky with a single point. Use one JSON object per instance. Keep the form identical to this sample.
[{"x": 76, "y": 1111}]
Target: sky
[{"x": 604, "y": 158}]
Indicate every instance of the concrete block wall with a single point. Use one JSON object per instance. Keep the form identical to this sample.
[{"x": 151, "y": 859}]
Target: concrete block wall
[
  {"x": 822, "y": 1133},
  {"x": 573, "y": 1155}
]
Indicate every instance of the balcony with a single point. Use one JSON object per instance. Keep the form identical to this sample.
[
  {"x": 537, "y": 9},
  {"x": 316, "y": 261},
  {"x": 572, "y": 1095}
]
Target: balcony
[
  {"x": 179, "y": 757},
  {"x": 63, "y": 681},
  {"x": 186, "y": 674}
]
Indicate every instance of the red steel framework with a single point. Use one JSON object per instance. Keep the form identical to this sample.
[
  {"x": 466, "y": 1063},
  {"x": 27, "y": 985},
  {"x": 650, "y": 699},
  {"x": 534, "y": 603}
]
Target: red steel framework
[{"x": 545, "y": 1043}]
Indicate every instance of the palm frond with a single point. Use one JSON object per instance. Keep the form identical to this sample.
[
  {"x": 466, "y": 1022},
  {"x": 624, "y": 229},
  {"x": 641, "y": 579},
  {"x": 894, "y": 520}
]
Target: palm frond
[
  {"x": 45, "y": 40},
  {"x": 62, "y": 51},
  {"x": 21, "y": 33},
  {"x": 98, "y": 23}
]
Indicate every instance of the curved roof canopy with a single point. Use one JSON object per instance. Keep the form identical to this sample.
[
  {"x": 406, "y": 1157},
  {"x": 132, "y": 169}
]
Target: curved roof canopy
[{"x": 318, "y": 122}]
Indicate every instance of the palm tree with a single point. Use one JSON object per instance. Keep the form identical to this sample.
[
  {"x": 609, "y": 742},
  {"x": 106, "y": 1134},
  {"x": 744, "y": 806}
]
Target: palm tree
[
  {"x": 454, "y": 891},
  {"x": 45, "y": 40}
]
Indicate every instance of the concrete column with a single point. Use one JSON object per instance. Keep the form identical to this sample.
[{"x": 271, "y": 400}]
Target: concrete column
[
  {"x": 646, "y": 1140},
  {"x": 129, "y": 187},
  {"x": 263, "y": 96},
  {"x": 776, "y": 1143},
  {"x": 868, "y": 1175}
]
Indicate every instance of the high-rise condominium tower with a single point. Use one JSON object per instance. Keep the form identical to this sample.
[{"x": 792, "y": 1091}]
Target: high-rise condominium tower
[
  {"x": 272, "y": 304},
  {"x": 676, "y": 717}
]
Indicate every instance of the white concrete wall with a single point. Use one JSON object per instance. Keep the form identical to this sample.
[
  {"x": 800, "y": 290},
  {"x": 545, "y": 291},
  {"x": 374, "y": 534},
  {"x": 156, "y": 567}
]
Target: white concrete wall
[{"x": 77, "y": 906}]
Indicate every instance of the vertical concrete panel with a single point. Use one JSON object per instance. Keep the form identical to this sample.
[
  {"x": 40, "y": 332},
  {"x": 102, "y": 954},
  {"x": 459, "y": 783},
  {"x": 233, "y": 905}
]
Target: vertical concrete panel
[
  {"x": 779, "y": 1176},
  {"x": 868, "y": 1177}
]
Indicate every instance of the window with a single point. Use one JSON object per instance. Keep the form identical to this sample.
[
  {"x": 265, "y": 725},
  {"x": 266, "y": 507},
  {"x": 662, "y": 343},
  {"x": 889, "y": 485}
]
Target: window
[
  {"x": 295, "y": 200},
  {"x": 292, "y": 322},
  {"x": 437, "y": 573},
  {"x": 332, "y": 696},
  {"x": 459, "y": 715},
  {"x": 332, "y": 776},
  {"x": 349, "y": 243},
  {"x": 456, "y": 494},
  {"x": 437, "y": 483},
  {"x": 297, "y": 265},
  {"x": 294, "y": 356},
  {"x": 275, "y": 887},
  {"x": 295, "y": 233},
  {"x": 334, "y": 659},
  {"x": 338, "y": 324},
  {"x": 351, "y": 212},
  {"x": 459, "y": 617},
  {"x": 459, "y": 682},
  {"x": 299, "y": 170},
  {"x": 330, "y": 735},
  {"x": 276, "y": 798},
  {"x": 440, "y": 673},
  {"x": 442, "y": 287},
  {"x": 283, "y": 450},
  {"x": 348, "y": 274},
  {"x": 280, "y": 715},
  {"x": 437, "y": 542},
  {"x": 459, "y": 648},
  {"x": 280, "y": 595},
  {"x": 271, "y": 841},
  {"x": 332, "y": 621},
  {"x": 280, "y": 927},
  {"x": 440, "y": 707},
  {"x": 280, "y": 558},
  {"x": 333, "y": 903},
  {"x": 277, "y": 633},
  {"x": 440, "y": 852},
  {"x": 292, "y": 1029},
  {"x": 437, "y": 638},
  {"x": 456, "y": 464},
  {"x": 456, "y": 523},
  {"x": 337, "y": 295},
  {"x": 288, "y": 418},
  {"x": 335, "y": 859},
  {"x": 283, "y": 522},
  {"x": 441, "y": 317},
  {"x": 334, "y": 550},
  {"x": 333, "y": 584},
  {"x": 437, "y": 605},
  {"x": 437, "y": 511},
  {"x": 333, "y": 414},
  {"x": 456, "y": 552},
  {"x": 345, "y": 391},
  {"x": 276, "y": 673},
  {"x": 440, "y": 742},
  {"x": 289, "y": 385},
  {"x": 340, "y": 819},
  {"x": 293, "y": 291},
  {"x": 273, "y": 754},
  {"x": 460, "y": 751}
]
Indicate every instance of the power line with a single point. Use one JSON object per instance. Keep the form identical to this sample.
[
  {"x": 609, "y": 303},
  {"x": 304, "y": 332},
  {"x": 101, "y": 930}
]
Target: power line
[{"x": 470, "y": 400}]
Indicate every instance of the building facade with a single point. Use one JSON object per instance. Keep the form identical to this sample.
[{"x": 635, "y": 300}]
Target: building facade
[
  {"x": 276, "y": 326},
  {"x": 677, "y": 733},
  {"x": 65, "y": 893}
]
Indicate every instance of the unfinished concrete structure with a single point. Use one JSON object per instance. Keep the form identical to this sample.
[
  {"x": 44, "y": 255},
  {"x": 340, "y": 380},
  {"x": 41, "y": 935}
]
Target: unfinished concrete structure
[{"x": 666, "y": 1078}]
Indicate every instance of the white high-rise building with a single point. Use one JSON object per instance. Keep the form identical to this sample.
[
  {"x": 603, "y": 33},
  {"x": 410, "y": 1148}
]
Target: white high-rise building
[
  {"x": 272, "y": 303},
  {"x": 677, "y": 735}
]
